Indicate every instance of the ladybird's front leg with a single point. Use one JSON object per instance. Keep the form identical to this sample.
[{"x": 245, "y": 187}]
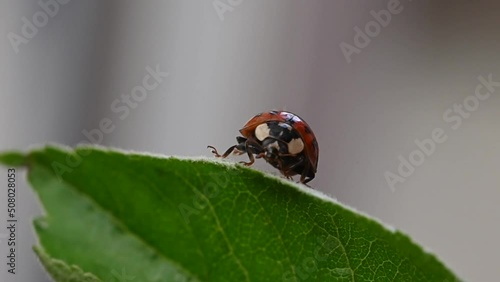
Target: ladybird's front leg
[
  {"x": 234, "y": 148},
  {"x": 251, "y": 157},
  {"x": 216, "y": 153},
  {"x": 252, "y": 147},
  {"x": 238, "y": 149}
]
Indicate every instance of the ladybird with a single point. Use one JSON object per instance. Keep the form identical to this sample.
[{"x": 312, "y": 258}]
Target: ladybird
[{"x": 281, "y": 138}]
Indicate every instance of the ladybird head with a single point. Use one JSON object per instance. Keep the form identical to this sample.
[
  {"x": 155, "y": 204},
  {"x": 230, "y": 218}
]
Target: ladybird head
[{"x": 272, "y": 152}]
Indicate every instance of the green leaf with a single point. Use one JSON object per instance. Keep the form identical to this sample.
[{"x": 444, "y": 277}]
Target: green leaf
[
  {"x": 60, "y": 271},
  {"x": 117, "y": 216},
  {"x": 12, "y": 158}
]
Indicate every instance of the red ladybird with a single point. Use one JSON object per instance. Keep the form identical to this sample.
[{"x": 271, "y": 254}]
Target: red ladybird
[{"x": 283, "y": 139}]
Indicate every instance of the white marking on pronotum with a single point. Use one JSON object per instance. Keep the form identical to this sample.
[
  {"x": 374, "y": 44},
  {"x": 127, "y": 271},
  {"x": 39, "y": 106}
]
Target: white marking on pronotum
[
  {"x": 262, "y": 132},
  {"x": 295, "y": 146}
]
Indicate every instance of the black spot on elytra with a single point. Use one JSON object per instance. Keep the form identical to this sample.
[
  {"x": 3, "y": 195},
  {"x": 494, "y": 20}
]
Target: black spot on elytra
[
  {"x": 308, "y": 130},
  {"x": 315, "y": 144}
]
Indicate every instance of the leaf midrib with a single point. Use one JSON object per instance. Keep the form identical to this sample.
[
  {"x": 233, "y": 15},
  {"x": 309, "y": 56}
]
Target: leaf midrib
[{"x": 219, "y": 226}]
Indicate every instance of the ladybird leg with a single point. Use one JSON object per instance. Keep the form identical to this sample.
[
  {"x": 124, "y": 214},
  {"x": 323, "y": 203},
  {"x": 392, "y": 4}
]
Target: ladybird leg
[
  {"x": 303, "y": 176},
  {"x": 238, "y": 149},
  {"x": 307, "y": 180},
  {"x": 251, "y": 157},
  {"x": 293, "y": 165},
  {"x": 261, "y": 155},
  {"x": 253, "y": 147},
  {"x": 284, "y": 171},
  {"x": 249, "y": 145},
  {"x": 228, "y": 151},
  {"x": 286, "y": 175}
]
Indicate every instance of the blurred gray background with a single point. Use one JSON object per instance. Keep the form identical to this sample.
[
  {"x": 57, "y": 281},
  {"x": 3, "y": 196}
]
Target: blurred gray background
[{"x": 225, "y": 66}]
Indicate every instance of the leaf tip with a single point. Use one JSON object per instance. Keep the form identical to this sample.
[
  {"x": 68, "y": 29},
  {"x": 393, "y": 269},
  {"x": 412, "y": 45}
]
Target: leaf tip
[{"x": 13, "y": 158}]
